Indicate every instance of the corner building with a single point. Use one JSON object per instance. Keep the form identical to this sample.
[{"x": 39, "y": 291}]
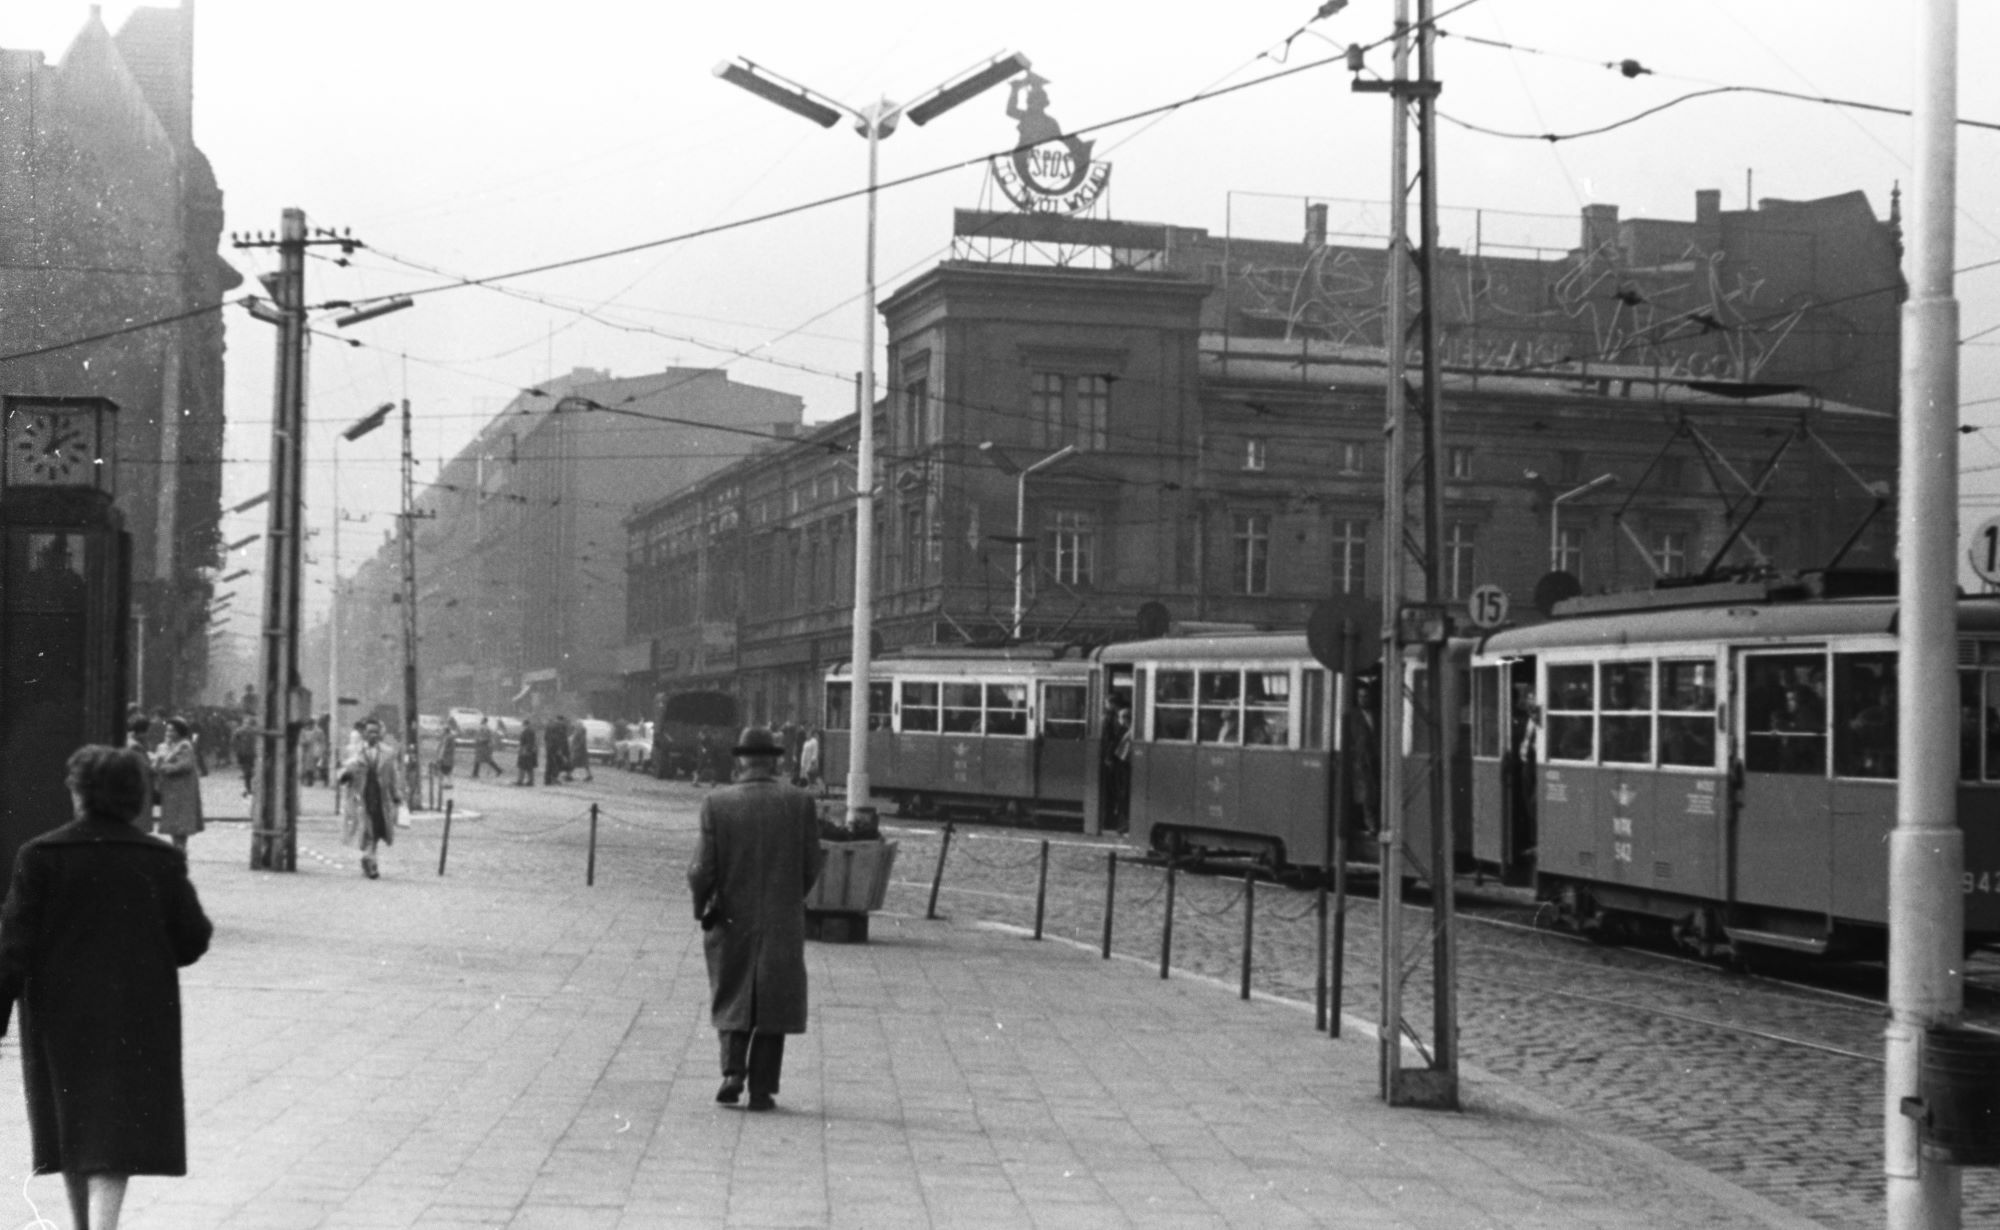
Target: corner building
[{"x": 1223, "y": 403}]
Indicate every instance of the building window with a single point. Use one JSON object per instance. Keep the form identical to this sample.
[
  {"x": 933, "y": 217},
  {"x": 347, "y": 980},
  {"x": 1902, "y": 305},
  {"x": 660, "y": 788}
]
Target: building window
[
  {"x": 1072, "y": 548},
  {"x": 1569, "y": 466},
  {"x": 1460, "y": 540},
  {"x": 1458, "y": 462},
  {"x": 1350, "y": 557},
  {"x": 1353, "y": 457},
  {"x": 1670, "y": 552},
  {"x": 1253, "y": 453},
  {"x": 1252, "y": 573},
  {"x": 913, "y": 543},
  {"x": 1673, "y": 473},
  {"x": 916, "y": 404},
  {"x": 1070, "y": 410},
  {"x": 1569, "y": 552}
]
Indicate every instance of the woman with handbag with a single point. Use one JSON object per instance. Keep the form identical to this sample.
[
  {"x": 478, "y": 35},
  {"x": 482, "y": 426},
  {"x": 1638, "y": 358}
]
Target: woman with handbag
[
  {"x": 177, "y": 776},
  {"x": 370, "y": 797}
]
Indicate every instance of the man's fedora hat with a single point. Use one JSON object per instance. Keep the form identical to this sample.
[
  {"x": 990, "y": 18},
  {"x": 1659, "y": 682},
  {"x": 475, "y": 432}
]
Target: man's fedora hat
[{"x": 757, "y": 741}]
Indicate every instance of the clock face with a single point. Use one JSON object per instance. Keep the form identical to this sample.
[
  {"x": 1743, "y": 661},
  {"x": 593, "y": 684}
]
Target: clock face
[{"x": 50, "y": 448}]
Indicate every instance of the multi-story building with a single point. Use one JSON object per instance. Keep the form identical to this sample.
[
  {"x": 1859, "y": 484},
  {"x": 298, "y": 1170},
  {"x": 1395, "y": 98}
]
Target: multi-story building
[
  {"x": 110, "y": 218},
  {"x": 520, "y": 584},
  {"x": 1193, "y": 431}
]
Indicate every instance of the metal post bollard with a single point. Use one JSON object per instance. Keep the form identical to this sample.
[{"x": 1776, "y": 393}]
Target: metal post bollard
[
  {"x": 1319, "y": 967},
  {"x": 1042, "y": 890},
  {"x": 590, "y": 868},
  {"x": 444, "y": 843},
  {"x": 1110, "y": 896},
  {"x": 1167, "y": 928},
  {"x": 937, "y": 877},
  {"x": 1249, "y": 928}
]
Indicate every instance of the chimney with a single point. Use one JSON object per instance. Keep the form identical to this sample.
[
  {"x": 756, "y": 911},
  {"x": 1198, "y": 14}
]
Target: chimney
[
  {"x": 1600, "y": 227},
  {"x": 1315, "y": 227},
  {"x": 1708, "y": 207}
]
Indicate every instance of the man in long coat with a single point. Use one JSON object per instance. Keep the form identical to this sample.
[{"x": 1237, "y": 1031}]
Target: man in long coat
[
  {"x": 370, "y": 796},
  {"x": 758, "y": 858}
]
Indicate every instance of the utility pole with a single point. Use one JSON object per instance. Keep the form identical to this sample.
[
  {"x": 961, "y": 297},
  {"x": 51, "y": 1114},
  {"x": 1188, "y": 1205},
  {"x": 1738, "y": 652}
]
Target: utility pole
[
  {"x": 1927, "y": 847},
  {"x": 412, "y": 759},
  {"x": 1426, "y": 624},
  {"x": 274, "y": 818}
]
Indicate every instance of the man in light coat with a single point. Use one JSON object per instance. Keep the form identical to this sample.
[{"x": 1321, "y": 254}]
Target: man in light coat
[{"x": 758, "y": 858}]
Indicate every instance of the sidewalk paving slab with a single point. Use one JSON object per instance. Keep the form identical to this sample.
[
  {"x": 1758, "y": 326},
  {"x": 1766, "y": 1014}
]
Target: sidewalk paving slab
[{"x": 502, "y": 1047}]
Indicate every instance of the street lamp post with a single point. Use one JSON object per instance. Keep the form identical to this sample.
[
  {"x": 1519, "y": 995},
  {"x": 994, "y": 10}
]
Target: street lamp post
[
  {"x": 1007, "y": 465},
  {"x": 874, "y": 122},
  {"x": 1555, "y": 512}
]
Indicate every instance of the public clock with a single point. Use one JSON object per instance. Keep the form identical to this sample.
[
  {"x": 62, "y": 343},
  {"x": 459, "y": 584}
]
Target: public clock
[{"x": 51, "y": 445}]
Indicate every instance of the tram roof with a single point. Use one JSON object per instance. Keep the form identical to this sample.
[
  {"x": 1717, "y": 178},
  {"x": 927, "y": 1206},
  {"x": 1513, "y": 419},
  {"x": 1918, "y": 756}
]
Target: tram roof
[
  {"x": 1739, "y": 622},
  {"x": 1010, "y": 663},
  {"x": 1210, "y": 647}
]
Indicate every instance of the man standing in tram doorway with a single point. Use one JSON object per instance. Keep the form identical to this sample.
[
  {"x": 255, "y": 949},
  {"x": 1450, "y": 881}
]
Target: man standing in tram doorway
[{"x": 758, "y": 858}]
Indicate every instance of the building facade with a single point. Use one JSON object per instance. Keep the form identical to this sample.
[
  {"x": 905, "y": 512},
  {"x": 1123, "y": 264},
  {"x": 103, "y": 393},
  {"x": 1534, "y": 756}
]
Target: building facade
[
  {"x": 110, "y": 217},
  {"x": 521, "y": 589},
  {"x": 1191, "y": 431}
]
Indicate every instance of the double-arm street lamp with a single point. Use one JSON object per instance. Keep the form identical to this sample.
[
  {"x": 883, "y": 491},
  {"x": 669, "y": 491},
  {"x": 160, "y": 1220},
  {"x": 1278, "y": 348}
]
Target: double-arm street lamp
[
  {"x": 1555, "y": 513},
  {"x": 873, "y": 122},
  {"x": 1007, "y": 465}
]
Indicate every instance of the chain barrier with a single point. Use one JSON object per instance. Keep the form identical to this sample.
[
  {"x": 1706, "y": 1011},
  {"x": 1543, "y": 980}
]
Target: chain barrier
[
  {"x": 1225, "y": 907},
  {"x": 1034, "y": 855}
]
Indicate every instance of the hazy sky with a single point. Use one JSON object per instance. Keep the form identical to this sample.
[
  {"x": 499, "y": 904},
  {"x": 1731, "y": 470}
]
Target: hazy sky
[{"x": 478, "y": 138}]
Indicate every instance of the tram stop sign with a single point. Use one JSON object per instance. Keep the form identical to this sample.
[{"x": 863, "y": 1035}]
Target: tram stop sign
[
  {"x": 1487, "y": 607},
  {"x": 1984, "y": 552},
  {"x": 1324, "y": 627}
]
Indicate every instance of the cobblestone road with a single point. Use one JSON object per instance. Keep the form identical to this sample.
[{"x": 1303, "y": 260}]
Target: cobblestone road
[{"x": 1711, "y": 1065}]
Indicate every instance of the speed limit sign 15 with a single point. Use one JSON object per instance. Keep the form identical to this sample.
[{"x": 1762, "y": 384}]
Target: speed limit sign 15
[
  {"x": 1488, "y": 606},
  {"x": 1984, "y": 552}
]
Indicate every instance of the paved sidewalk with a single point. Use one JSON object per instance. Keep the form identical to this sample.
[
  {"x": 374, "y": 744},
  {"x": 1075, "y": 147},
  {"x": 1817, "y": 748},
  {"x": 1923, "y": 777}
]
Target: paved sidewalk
[{"x": 502, "y": 1047}]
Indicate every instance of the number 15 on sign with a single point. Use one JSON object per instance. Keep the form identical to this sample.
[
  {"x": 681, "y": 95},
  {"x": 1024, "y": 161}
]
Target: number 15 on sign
[{"x": 1985, "y": 550}]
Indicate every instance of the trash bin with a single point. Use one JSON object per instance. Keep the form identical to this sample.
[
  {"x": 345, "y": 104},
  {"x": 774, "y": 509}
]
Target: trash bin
[{"x": 1960, "y": 1088}]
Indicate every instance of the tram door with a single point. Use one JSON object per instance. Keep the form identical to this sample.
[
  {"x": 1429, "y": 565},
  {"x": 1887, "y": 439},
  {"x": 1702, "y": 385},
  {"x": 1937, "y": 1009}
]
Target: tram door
[{"x": 1784, "y": 809}]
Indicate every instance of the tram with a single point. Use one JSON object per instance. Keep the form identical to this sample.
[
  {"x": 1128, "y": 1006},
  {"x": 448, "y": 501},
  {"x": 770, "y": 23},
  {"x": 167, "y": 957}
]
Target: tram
[
  {"x": 1720, "y": 761},
  {"x": 997, "y": 732},
  {"x": 1235, "y": 738}
]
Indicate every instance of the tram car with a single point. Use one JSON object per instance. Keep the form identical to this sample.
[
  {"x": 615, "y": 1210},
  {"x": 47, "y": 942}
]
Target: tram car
[
  {"x": 995, "y": 732},
  {"x": 1234, "y": 741},
  {"x": 1720, "y": 762}
]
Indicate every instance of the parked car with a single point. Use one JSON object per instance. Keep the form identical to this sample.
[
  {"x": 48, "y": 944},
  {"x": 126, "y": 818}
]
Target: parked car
[
  {"x": 507, "y": 732},
  {"x": 597, "y": 736},
  {"x": 635, "y": 750}
]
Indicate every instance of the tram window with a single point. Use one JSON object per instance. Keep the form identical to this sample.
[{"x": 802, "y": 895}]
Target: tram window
[
  {"x": 1687, "y": 714},
  {"x": 1627, "y": 724},
  {"x": 961, "y": 708},
  {"x": 839, "y": 702},
  {"x": 1968, "y": 726},
  {"x": 879, "y": 706},
  {"x": 1219, "y": 716},
  {"x": 1267, "y": 705},
  {"x": 1063, "y": 711},
  {"x": 1572, "y": 718},
  {"x": 1784, "y": 700},
  {"x": 1486, "y": 714},
  {"x": 1864, "y": 714},
  {"x": 1006, "y": 708},
  {"x": 1173, "y": 707},
  {"x": 1992, "y": 712},
  {"x": 920, "y": 707}
]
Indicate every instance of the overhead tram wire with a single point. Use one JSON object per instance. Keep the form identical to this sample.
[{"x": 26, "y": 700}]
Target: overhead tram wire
[{"x": 1201, "y": 96}]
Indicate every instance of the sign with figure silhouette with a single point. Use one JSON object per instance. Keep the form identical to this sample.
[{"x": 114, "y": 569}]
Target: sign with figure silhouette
[{"x": 1048, "y": 171}]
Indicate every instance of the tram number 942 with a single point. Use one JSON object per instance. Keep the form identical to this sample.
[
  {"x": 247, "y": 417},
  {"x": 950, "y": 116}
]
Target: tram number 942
[{"x": 1981, "y": 882}]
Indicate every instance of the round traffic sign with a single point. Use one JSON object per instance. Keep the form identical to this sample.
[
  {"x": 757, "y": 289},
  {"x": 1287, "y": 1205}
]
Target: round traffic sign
[
  {"x": 1488, "y": 607},
  {"x": 1984, "y": 551}
]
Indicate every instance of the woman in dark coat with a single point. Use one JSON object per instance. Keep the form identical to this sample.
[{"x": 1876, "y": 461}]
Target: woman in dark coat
[{"x": 98, "y": 920}]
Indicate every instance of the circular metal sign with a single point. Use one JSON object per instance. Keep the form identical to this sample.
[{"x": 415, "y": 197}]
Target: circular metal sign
[
  {"x": 1984, "y": 552},
  {"x": 1487, "y": 607}
]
